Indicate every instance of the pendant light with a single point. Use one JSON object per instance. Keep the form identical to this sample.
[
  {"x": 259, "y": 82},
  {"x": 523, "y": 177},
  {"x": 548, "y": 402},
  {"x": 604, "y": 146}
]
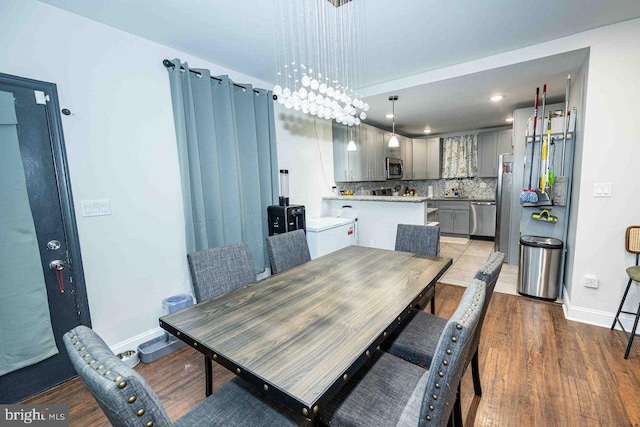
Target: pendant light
[
  {"x": 393, "y": 141},
  {"x": 351, "y": 146}
]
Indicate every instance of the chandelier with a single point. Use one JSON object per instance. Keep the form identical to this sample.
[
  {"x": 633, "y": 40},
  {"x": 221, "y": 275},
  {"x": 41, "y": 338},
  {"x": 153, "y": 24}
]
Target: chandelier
[{"x": 320, "y": 58}]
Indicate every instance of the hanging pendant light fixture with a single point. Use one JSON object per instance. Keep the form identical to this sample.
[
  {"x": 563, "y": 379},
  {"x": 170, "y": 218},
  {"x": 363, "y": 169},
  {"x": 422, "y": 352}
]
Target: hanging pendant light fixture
[
  {"x": 320, "y": 58},
  {"x": 393, "y": 141},
  {"x": 351, "y": 146}
]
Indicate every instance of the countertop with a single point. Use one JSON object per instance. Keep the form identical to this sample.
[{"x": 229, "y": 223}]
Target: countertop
[
  {"x": 405, "y": 199},
  {"x": 460, "y": 199}
]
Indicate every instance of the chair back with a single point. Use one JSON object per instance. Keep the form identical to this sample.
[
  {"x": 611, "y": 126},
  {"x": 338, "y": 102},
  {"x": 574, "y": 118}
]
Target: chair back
[
  {"x": 418, "y": 239},
  {"x": 488, "y": 273},
  {"x": 124, "y": 396},
  {"x": 287, "y": 250},
  {"x": 632, "y": 240},
  {"x": 450, "y": 357},
  {"x": 217, "y": 271}
]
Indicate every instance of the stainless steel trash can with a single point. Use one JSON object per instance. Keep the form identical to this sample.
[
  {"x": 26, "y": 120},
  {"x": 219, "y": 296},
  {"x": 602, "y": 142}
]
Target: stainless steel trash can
[{"x": 539, "y": 272}]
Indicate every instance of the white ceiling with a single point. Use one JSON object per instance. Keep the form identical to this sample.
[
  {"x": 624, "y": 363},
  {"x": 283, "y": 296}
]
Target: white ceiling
[{"x": 403, "y": 38}]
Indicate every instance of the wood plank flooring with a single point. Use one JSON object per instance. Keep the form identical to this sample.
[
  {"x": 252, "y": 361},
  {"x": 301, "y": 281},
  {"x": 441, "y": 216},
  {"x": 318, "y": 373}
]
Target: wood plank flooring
[{"x": 537, "y": 369}]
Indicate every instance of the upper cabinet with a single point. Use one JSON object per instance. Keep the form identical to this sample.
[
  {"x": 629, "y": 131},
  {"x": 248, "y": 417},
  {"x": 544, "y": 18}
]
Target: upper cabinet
[
  {"x": 490, "y": 146},
  {"x": 426, "y": 158},
  {"x": 367, "y": 163},
  {"x": 372, "y": 140},
  {"x": 406, "y": 154},
  {"x": 421, "y": 157}
]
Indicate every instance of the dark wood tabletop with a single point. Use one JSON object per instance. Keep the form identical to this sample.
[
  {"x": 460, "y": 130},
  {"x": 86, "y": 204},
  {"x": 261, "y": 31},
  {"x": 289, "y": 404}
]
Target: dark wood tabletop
[{"x": 302, "y": 333}]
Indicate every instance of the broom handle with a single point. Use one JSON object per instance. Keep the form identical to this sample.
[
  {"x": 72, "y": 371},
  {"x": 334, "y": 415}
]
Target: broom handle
[
  {"x": 533, "y": 141},
  {"x": 544, "y": 99},
  {"x": 566, "y": 115}
]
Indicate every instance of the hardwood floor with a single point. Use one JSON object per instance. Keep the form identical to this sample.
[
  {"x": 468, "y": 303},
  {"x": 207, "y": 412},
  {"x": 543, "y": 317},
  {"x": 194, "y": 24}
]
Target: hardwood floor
[{"x": 537, "y": 369}]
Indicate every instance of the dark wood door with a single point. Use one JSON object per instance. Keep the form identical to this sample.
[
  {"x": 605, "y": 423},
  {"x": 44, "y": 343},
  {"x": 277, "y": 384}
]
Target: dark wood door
[{"x": 49, "y": 195}]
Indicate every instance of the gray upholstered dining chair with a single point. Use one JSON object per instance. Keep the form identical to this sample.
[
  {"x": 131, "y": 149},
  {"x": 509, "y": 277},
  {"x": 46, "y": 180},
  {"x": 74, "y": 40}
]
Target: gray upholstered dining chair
[
  {"x": 287, "y": 250},
  {"x": 217, "y": 271},
  {"x": 416, "y": 341},
  {"x": 389, "y": 391},
  {"x": 128, "y": 400},
  {"x": 421, "y": 240}
]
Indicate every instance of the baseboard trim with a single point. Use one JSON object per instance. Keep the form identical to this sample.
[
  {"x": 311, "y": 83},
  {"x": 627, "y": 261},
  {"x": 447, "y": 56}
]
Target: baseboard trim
[
  {"x": 593, "y": 317},
  {"x": 133, "y": 342}
]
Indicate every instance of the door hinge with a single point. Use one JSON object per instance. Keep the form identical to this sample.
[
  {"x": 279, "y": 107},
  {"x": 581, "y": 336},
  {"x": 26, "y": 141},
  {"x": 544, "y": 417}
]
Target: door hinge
[{"x": 41, "y": 97}]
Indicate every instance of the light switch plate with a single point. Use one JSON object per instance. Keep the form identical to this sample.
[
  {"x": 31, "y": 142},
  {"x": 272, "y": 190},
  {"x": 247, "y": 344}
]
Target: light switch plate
[
  {"x": 591, "y": 281},
  {"x": 96, "y": 207},
  {"x": 602, "y": 189}
]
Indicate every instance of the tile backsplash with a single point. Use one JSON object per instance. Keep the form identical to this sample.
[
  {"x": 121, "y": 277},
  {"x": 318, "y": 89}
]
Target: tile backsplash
[{"x": 475, "y": 188}]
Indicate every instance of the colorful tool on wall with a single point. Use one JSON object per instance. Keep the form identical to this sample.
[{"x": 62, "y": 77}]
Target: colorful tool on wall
[
  {"x": 529, "y": 194},
  {"x": 542, "y": 123},
  {"x": 544, "y": 158},
  {"x": 544, "y": 215}
]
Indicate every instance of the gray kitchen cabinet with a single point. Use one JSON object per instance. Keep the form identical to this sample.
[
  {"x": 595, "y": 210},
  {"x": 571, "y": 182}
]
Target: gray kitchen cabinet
[
  {"x": 454, "y": 217},
  {"x": 487, "y": 153},
  {"x": 340, "y": 157},
  {"x": 434, "y": 158},
  {"x": 505, "y": 142},
  {"x": 406, "y": 154},
  {"x": 419, "y": 159},
  {"x": 348, "y": 166},
  {"x": 372, "y": 141},
  {"x": 445, "y": 217},
  {"x": 460, "y": 222},
  {"x": 490, "y": 146}
]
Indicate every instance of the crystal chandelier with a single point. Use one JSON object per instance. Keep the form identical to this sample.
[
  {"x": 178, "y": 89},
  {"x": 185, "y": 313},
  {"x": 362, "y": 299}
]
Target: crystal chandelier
[{"x": 320, "y": 58}]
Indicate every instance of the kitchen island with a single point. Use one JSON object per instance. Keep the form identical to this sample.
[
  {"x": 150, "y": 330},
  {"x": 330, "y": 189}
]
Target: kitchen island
[{"x": 379, "y": 216}]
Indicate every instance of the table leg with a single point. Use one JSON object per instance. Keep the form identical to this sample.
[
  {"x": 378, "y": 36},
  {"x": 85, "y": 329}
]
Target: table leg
[{"x": 208, "y": 369}]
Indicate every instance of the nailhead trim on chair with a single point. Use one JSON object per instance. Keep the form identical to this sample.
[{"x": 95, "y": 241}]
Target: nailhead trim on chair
[
  {"x": 454, "y": 340},
  {"x": 113, "y": 376}
]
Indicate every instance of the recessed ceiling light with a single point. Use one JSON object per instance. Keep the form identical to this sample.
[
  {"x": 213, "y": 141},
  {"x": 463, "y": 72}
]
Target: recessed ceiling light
[
  {"x": 510, "y": 119},
  {"x": 389, "y": 116},
  {"x": 427, "y": 131},
  {"x": 497, "y": 97}
]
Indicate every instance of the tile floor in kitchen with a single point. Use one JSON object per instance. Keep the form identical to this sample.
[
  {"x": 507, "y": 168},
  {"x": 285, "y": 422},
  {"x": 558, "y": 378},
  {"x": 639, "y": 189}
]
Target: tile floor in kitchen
[{"x": 468, "y": 256}]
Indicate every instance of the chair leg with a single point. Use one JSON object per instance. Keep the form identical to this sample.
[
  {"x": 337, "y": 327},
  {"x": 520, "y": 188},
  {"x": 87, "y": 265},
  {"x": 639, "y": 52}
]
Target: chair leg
[
  {"x": 433, "y": 301},
  {"x": 457, "y": 410},
  {"x": 475, "y": 371},
  {"x": 208, "y": 369},
  {"x": 633, "y": 333},
  {"x": 624, "y": 297}
]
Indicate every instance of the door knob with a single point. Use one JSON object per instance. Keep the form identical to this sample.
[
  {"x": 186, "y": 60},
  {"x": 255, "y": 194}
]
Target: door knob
[
  {"x": 56, "y": 265},
  {"x": 53, "y": 245}
]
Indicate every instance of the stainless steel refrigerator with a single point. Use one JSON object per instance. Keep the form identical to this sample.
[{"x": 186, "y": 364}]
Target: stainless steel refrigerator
[{"x": 504, "y": 193}]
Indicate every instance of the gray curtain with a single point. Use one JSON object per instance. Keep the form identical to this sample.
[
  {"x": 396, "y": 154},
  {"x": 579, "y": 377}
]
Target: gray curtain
[
  {"x": 26, "y": 336},
  {"x": 228, "y": 159}
]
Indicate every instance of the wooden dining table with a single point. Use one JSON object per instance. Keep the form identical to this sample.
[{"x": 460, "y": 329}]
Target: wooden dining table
[{"x": 301, "y": 334}]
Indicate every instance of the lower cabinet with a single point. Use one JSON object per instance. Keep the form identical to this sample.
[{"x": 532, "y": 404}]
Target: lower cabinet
[{"x": 454, "y": 217}]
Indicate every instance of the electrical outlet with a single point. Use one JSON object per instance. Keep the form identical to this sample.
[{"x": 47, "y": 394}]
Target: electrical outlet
[{"x": 591, "y": 281}]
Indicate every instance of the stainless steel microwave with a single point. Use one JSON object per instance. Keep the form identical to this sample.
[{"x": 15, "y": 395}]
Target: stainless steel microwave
[{"x": 394, "y": 168}]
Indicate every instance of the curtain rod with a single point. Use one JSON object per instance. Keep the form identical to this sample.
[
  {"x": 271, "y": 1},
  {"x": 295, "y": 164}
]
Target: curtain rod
[{"x": 170, "y": 64}]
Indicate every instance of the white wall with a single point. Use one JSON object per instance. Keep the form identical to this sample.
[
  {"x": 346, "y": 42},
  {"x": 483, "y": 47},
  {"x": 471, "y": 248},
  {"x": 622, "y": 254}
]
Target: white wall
[
  {"x": 121, "y": 146},
  {"x": 305, "y": 148}
]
